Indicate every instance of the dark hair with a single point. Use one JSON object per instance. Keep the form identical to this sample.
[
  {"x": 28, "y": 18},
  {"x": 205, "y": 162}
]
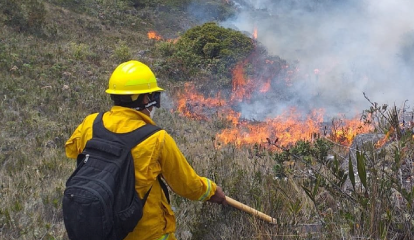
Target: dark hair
[{"x": 126, "y": 101}]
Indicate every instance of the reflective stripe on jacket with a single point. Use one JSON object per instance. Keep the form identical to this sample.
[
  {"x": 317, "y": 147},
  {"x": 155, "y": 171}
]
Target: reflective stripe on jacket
[{"x": 156, "y": 155}]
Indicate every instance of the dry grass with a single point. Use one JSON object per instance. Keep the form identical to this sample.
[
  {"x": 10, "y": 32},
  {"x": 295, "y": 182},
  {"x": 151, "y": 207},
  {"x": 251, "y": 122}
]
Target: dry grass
[{"x": 53, "y": 77}]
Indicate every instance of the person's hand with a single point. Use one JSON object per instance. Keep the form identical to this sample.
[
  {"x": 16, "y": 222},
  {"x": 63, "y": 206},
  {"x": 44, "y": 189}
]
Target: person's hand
[{"x": 218, "y": 197}]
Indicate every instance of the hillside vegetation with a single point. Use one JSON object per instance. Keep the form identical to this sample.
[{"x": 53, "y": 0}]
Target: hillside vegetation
[{"x": 55, "y": 60}]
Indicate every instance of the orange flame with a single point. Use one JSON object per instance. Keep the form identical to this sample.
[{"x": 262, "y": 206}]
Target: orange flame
[
  {"x": 265, "y": 87},
  {"x": 154, "y": 35},
  {"x": 345, "y": 130},
  {"x": 283, "y": 130},
  {"x": 287, "y": 128},
  {"x": 382, "y": 141},
  {"x": 241, "y": 85},
  {"x": 255, "y": 33},
  {"x": 193, "y": 104}
]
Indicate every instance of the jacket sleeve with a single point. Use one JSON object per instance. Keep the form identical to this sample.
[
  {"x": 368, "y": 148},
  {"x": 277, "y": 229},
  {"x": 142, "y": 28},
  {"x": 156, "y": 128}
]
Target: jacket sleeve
[
  {"x": 180, "y": 176},
  {"x": 72, "y": 145},
  {"x": 76, "y": 143}
]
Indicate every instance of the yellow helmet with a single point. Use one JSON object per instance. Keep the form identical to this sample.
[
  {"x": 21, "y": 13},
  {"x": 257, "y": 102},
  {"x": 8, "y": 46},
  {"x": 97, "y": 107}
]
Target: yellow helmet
[{"x": 132, "y": 77}]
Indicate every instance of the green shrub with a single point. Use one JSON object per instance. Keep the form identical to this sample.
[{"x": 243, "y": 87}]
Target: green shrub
[
  {"x": 122, "y": 52},
  {"x": 80, "y": 51},
  {"x": 206, "y": 47},
  {"x": 230, "y": 43}
]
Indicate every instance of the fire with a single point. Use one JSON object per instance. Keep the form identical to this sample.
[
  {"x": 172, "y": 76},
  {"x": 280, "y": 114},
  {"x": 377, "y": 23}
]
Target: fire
[
  {"x": 384, "y": 140},
  {"x": 255, "y": 33},
  {"x": 344, "y": 130},
  {"x": 194, "y": 105},
  {"x": 287, "y": 128},
  {"x": 265, "y": 87},
  {"x": 282, "y": 130},
  {"x": 230, "y": 115},
  {"x": 241, "y": 85},
  {"x": 154, "y": 35}
]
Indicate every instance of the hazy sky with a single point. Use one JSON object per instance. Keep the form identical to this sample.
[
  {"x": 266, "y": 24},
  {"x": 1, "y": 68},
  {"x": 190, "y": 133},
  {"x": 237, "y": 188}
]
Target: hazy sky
[{"x": 356, "y": 45}]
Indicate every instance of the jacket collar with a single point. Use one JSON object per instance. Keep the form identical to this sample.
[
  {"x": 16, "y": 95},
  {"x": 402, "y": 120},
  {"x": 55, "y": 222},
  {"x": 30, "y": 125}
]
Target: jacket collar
[{"x": 131, "y": 114}]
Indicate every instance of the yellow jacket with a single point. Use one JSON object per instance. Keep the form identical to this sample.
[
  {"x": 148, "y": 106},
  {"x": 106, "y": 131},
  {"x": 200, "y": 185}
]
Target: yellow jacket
[{"x": 156, "y": 155}]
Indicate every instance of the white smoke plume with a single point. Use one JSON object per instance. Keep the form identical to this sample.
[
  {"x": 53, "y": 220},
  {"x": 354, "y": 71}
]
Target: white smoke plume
[{"x": 343, "y": 48}]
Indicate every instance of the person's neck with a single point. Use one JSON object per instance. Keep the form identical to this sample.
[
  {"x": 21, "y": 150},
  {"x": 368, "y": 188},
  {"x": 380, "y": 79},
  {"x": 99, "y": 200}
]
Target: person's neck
[{"x": 146, "y": 112}]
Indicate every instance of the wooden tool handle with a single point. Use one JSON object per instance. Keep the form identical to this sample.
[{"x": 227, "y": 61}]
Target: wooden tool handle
[{"x": 250, "y": 210}]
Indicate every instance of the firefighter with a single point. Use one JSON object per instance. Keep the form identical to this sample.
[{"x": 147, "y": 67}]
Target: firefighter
[{"x": 135, "y": 93}]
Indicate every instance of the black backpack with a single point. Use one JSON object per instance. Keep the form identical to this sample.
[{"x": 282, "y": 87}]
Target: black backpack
[{"x": 100, "y": 200}]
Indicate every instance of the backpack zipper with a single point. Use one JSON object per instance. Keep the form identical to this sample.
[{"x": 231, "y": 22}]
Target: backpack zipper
[{"x": 86, "y": 158}]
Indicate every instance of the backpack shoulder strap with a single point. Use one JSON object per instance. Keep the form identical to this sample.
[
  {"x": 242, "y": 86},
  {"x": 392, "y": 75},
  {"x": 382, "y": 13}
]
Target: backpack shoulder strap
[
  {"x": 130, "y": 139},
  {"x": 142, "y": 133},
  {"x": 164, "y": 188}
]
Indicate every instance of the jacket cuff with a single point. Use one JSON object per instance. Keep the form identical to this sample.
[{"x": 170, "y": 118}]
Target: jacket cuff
[{"x": 210, "y": 191}]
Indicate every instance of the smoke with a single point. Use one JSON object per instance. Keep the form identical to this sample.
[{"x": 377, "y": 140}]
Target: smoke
[{"x": 342, "y": 49}]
